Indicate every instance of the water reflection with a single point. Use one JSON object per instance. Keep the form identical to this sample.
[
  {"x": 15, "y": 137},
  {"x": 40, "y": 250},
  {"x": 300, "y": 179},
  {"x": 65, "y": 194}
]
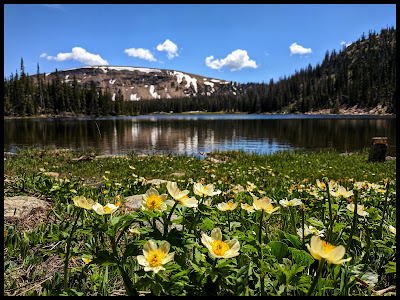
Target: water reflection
[{"x": 191, "y": 134}]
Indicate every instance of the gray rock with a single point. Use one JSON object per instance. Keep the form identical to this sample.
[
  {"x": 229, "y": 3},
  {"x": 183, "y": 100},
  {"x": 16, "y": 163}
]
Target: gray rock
[{"x": 21, "y": 206}]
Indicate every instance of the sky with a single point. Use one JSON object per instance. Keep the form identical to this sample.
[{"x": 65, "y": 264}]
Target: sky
[{"x": 233, "y": 42}]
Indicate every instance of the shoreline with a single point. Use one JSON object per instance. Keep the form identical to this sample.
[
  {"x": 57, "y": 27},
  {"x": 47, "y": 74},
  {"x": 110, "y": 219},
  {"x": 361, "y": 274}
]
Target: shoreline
[{"x": 343, "y": 111}]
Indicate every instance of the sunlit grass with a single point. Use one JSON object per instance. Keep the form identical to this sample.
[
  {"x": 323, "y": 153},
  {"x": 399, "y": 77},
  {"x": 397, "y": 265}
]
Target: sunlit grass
[{"x": 260, "y": 203}]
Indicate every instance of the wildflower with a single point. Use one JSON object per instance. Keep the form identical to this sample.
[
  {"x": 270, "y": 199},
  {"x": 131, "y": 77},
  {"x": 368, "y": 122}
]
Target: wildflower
[
  {"x": 247, "y": 207},
  {"x": 224, "y": 206},
  {"x": 219, "y": 248},
  {"x": 132, "y": 167},
  {"x": 341, "y": 192},
  {"x": 152, "y": 200},
  {"x": 392, "y": 229},
  {"x": 310, "y": 230},
  {"x": 360, "y": 209},
  {"x": 264, "y": 204},
  {"x": 86, "y": 260},
  {"x": 250, "y": 186},
  {"x": 205, "y": 190},
  {"x": 106, "y": 209},
  {"x": 287, "y": 203},
  {"x": 73, "y": 190},
  {"x": 107, "y": 172},
  {"x": 154, "y": 257},
  {"x": 81, "y": 201},
  {"x": 105, "y": 192},
  {"x": 134, "y": 230},
  {"x": 323, "y": 250},
  {"x": 175, "y": 192}
]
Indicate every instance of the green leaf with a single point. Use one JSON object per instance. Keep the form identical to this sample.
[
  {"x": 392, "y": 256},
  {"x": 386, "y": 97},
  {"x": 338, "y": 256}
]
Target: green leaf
[
  {"x": 293, "y": 239},
  {"x": 278, "y": 249},
  {"x": 301, "y": 257},
  {"x": 390, "y": 267}
]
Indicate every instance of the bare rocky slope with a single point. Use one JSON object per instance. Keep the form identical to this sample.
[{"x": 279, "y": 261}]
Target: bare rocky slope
[{"x": 139, "y": 83}]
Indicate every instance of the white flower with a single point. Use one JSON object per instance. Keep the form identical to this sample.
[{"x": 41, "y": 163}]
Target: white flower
[
  {"x": 293, "y": 202},
  {"x": 205, "y": 190},
  {"x": 219, "y": 248},
  {"x": 106, "y": 209},
  {"x": 360, "y": 209},
  {"x": 153, "y": 201},
  {"x": 154, "y": 257}
]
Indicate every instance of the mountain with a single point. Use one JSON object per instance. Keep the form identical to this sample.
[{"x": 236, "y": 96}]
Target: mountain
[{"x": 138, "y": 83}]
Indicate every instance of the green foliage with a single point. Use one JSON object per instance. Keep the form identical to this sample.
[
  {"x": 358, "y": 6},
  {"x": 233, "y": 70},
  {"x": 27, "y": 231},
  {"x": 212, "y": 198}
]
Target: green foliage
[{"x": 280, "y": 265}]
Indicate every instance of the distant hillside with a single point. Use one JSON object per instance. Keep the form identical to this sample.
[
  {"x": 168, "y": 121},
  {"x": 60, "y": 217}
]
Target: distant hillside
[
  {"x": 137, "y": 83},
  {"x": 363, "y": 75}
]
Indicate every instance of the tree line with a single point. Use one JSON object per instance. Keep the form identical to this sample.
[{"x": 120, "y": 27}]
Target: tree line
[{"x": 362, "y": 74}]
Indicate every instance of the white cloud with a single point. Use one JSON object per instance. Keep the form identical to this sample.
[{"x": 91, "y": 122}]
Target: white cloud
[
  {"x": 344, "y": 43},
  {"x": 297, "y": 49},
  {"x": 237, "y": 60},
  {"x": 43, "y": 54},
  {"x": 170, "y": 47},
  {"x": 140, "y": 53},
  {"x": 80, "y": 55}
]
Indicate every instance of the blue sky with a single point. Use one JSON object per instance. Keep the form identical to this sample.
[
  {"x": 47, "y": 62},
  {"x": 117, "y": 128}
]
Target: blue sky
[{"x": 234, "y": 42}]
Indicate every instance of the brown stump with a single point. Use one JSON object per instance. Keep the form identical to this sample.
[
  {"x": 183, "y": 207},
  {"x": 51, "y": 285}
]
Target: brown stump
[{"x": 377, "y": 150}]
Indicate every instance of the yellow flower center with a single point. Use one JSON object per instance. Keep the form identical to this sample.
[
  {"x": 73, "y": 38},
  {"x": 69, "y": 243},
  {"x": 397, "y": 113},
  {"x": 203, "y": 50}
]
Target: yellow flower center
[
  {"x": 289, "y": 203},
  {"x": 205, "y": 188},
  {"x": 155, "y": 257},
  {"x": 269, "y": 208},
  {"x": 219, "y": 247},
  {"x": 153, "y": 202},
  {"x": 327, "y": 247}
]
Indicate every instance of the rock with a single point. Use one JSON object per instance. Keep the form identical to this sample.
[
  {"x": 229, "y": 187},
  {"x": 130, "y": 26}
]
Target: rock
[
  {"x": 21, "y": 206},
  {"x": 177, "y": 174},
  {"x": 154, "y": 181}
]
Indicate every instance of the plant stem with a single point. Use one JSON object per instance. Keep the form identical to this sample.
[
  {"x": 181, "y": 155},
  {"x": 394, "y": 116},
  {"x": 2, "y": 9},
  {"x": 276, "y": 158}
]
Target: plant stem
[
  {"x": 314, "y": 283},
  {"x": 293, "y": 220},
  {"x": 169, "y": 219},
  {"x": 353, "y": 226},
  {"x": 329, "y": 237},
  {"x": 67, "y": 252},
  {"x": 384, "y": 210},
  {"x": 127, "y": 282},
  {"x": 260, "y": 227}
]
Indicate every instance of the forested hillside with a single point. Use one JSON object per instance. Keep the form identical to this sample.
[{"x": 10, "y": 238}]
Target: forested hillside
[{"x": 362, "y": 75}]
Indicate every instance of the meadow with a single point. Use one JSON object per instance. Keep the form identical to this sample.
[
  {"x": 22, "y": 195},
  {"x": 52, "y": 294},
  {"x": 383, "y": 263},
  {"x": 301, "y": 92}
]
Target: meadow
[{"x": 291, "y": 223}]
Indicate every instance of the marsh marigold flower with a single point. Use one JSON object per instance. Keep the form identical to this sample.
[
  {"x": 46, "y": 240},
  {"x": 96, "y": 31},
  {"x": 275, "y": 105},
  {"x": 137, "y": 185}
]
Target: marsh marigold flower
[
  {"x": 264, "y": 204},
  {"x": 153, "y": 201},
  {"x": 224, "y": 206},
  {"x": 392, "y": 229},
  {"x": 320, "y": 249},
  {"x": 287, "y": 203},
  {"x": 247, "y": 207},
  {"x": 219, "y": 248},
  {"x": 181, "y": 196},
  {"x": 106, "y": 209},
  {"x": 154, "y": 257},
  {"x": 205, "y": 190},
  {"x": 81, "y": 201},
  {"x": 341, "y": 192},
  {"x": 360, "y": 209}
]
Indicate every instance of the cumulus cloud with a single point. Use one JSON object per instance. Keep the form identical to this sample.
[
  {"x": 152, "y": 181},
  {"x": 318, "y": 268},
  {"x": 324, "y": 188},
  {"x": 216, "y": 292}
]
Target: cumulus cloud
[
  {"x": 237, "y": 60},
  {"x": 140, "y": 53},
  {"x": 43, "y": 54},
  {"x": 170, "y": 47},
  {"x": 297, "y": 49},
  {"x": 80, "y": 55}
]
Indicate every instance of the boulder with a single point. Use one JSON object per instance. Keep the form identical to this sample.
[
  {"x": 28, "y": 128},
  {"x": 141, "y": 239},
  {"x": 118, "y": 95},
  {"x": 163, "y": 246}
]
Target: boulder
[{"x": 21, "y": 206}]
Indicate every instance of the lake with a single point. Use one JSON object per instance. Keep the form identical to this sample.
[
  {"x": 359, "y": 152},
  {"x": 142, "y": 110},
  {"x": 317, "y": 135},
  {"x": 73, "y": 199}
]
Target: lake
[{"x": 194, "y": 133}]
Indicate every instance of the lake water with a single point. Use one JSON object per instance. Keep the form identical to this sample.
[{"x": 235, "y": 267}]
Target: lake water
[{"x": 191, "y": 134}]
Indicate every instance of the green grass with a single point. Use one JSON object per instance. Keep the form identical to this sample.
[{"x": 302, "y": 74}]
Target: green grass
[{"x": 280, "y": 265}]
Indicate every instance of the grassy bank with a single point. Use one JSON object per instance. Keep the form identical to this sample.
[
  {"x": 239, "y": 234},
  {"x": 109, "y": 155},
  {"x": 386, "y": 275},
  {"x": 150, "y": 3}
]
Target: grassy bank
[{"x": 273, "y": 257}]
